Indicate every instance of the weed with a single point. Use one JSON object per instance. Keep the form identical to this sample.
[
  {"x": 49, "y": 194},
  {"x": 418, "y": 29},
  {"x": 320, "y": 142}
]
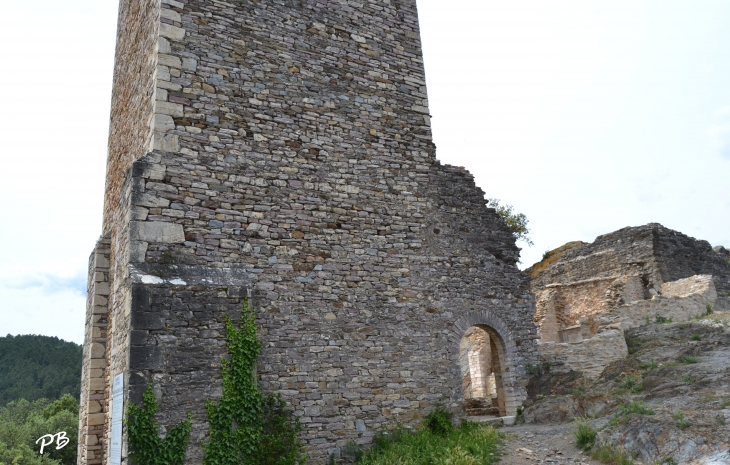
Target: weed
[
  {"x": 532, "y": 369},
  {"x": 689, "y": 379},
  {"x": 634, "y": 407},
  {"x": 708, "y": 309},
  {"x": 669, "y": 461},
  {"x": 438, "y": 421},
  {"x": 546, "y": 366},
  {"x": 721, "y": 420},
  {"x": 611, "y": 454},
  {"x": 648, "y": 365},
  {"x": 695, "y": 337},
  {"x": 545, "y": 254},
  {"x": 352, "y": 449},
  {"x": 687, "y": 359},
  {"x": 468, "y": 444},
  {"x": 632, "y": 384},
  {"x": 331, "y": 461},
  {"x": 724, "y": 404},
  {"x": 585, "y": 436},
  {"x": 581, "y": 391},
  {"x": 662, "y": 320},
  {"x": 648, "y": 321},
  {"x": 682, "y": 422}
]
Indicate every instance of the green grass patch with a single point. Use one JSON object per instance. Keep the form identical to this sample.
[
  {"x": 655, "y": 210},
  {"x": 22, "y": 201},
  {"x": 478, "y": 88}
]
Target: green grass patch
[
  {"x": 689, "y": 379},
  {"x": 467, "y": 444},
  {"x": 682, "y": 421},
  {"x": 687, "y": 359},
  {"x": 635, "y": 407},
  {"x": 611, "y": 454},
  {"x": 585, "y": 436},
  {"x": 695, "y": 337},
  {"x": 648, "y": 365},
  {"x": 662, "y": 320},
  {"x": 633, "y": 384}
]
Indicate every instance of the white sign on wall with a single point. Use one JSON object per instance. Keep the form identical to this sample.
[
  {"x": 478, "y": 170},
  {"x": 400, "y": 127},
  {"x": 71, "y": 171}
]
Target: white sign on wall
[{"x": 117, "y": 413}]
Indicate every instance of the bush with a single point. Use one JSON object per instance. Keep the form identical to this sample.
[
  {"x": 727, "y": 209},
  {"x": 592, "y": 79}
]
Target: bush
[
  {"x": 611, "y": 454},
  {"x": 585, "y": 436},
  {"x": 439, "y": 421}
]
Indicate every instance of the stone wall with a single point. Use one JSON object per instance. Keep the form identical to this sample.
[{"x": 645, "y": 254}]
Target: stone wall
[
  {"x": 94, "y": 376},
  {"x": 293, "y": 163}
]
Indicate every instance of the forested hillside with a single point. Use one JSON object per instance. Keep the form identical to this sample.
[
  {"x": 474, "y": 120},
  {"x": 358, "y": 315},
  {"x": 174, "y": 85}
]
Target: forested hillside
[{"x": 34, "y": 367}]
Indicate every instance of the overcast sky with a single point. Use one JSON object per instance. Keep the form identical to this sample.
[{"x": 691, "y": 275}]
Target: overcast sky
[{"x": 585, "y": 116}]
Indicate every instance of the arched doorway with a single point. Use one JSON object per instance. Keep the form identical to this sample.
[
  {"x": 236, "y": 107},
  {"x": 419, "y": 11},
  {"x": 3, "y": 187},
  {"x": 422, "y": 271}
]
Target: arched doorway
[
  {"x": 481, "y": 360},
  {"x": 500, "y": 367}
]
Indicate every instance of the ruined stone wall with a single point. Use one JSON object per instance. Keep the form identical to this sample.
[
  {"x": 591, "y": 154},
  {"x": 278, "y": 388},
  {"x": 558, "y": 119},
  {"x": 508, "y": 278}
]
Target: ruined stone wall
[{"x": 293, "y": 162}]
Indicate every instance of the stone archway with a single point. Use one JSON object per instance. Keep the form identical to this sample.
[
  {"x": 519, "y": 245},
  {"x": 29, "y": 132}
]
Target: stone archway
[{"x": 502, "y": 353}]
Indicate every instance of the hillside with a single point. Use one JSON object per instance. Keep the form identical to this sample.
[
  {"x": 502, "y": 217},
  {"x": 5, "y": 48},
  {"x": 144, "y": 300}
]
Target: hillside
[{"x": 34, "y": 367}]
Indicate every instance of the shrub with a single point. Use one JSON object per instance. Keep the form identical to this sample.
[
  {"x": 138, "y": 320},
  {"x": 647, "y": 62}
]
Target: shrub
[
  {"x": 438, "y": 421},
  {"x": 635, "y": 407},
  {"x": 687, "y": 359},
  {"x": 585, "y": 436},
  {"x": 695, "y": 337},
  {"x": 662, "y": 320}
]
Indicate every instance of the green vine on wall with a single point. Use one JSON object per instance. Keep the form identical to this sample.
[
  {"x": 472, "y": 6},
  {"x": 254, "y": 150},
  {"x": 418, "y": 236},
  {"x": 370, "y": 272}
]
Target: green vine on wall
[
  {"x": 246, "y": 427},
  {"x": 146, "y": 446}
]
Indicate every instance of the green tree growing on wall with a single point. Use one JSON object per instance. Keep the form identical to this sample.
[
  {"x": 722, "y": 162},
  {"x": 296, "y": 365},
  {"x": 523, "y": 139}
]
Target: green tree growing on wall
[{"x": 517, "y": 222}]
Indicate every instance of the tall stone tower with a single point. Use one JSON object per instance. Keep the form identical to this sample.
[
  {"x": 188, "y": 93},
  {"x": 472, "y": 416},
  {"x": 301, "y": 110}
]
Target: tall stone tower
[{"x": 282, "y": 149}]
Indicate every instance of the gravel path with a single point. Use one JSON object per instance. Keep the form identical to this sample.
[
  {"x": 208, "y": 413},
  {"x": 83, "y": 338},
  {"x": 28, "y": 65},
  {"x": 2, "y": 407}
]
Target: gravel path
[{"x": 531, "y": 444}]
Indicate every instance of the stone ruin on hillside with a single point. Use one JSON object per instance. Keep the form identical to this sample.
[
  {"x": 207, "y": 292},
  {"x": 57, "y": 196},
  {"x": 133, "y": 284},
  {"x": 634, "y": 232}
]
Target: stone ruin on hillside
[
  {"x": 588, "y": 294},
  {"x": 283, "y": 151}
]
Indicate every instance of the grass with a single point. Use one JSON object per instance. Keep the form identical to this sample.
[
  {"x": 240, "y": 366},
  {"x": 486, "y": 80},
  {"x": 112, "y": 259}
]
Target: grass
[
  {"x": 611, "y": 454},
  {"x": 467, "y": 444},
  {"x": 689, "y": 379},
  {"x": 695, "y": 337},
  {"x": 687, "y": 359},
  {"x": 634, "y": 407},
  {"x": 585, "y": 436},
  {"x": 633, "y": 384},
  {"x": 682, "y": 422},
  {"x": 662, "y": 320},
  {"x": 648, "y": 365}
]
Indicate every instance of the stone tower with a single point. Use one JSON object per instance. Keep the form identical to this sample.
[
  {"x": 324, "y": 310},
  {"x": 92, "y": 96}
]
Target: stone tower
[{"x": 282, "y": 149}]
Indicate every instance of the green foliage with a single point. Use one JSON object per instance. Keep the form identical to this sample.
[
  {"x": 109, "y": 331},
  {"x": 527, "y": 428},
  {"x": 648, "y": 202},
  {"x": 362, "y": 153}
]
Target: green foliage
[
  {"x": 146, "y": 446},
  {"x": 634, "y": 407},
  {"x": 35, "y": 367},
  {"x": 611, "y": 454},
  {"x": 581, "y": 391},
  {"x": 438, "y": 421},
  {"x": 662, "y": 320},
  {"x": 22, "y": 423},
  {"x": 352, "y": 449},
  {"x": 279, "y": 430},
  {"x": 468, "y": 444},
  {"x": 696, "y": 337},
  {"x": 517, "y": 222},
  {"x": 687, "y": 359},
  {"x": 648, "y": 365},
  {"x": 246, "y": 427},
  {"x": 682, "y": 422},
  {"x": 708, "y": 309},
  {"x": 585, "y": 436},
  {"x": 633, "y": 384},
  {"x": 689, "y": 379}
]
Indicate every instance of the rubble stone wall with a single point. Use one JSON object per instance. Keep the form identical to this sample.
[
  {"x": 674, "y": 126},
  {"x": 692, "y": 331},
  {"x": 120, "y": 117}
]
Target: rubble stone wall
[{"x": 291, "y": 161}]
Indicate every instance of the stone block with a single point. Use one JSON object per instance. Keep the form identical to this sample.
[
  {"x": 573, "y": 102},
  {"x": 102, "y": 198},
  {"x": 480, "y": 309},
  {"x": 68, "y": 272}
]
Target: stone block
[
  {"x": 157, "y": 232},
  {"x": 93, "y": 406},
  {"x": 163, "y": 123},
  {"x": 172, "y": 32},
  {"x": 144, "y": 199},
  {"x": 169, "y": 60},
  {"x": 96, "y": 419},
  {"x": 166, "y": 142},
  {"x": 97, "y": 350},
  {"x": 169, "y": 108},
  {"x": 91, "y": 440},
  {"x": 97, "y": 384}
]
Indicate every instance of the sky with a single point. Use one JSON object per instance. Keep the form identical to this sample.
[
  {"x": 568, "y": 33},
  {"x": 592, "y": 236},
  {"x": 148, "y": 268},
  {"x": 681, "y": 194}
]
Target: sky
[{"x": 585, "y": 116}]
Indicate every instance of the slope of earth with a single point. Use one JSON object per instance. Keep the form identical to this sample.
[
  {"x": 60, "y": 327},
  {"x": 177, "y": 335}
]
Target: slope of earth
[{"x": 668, "y": 402}]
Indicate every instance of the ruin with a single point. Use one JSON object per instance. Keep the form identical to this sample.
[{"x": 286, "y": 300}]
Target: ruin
[
  {"x": 282, "y": 150},
  {"x": 588, "y": 294}
]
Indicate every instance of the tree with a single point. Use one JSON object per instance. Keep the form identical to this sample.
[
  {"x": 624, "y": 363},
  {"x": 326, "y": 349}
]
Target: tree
[{"x": 517, "y": 222}]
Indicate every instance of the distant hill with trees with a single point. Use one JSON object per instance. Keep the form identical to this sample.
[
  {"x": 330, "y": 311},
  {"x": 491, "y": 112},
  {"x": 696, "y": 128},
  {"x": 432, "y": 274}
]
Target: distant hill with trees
[{"x": 34, "y": 367}]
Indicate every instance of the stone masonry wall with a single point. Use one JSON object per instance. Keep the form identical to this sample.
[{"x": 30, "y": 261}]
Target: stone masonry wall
[
  {"x": 93, "y": 402},
  {"x": 293, "y": 162}
]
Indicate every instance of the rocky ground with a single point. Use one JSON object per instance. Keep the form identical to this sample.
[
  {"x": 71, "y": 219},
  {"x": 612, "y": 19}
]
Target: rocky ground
[
  {"x": 668, "y": 402},
  {"x": 535, "y": 444}
]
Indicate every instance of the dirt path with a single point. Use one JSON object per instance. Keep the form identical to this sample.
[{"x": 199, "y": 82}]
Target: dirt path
[{"x": 531, "y": 444}]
